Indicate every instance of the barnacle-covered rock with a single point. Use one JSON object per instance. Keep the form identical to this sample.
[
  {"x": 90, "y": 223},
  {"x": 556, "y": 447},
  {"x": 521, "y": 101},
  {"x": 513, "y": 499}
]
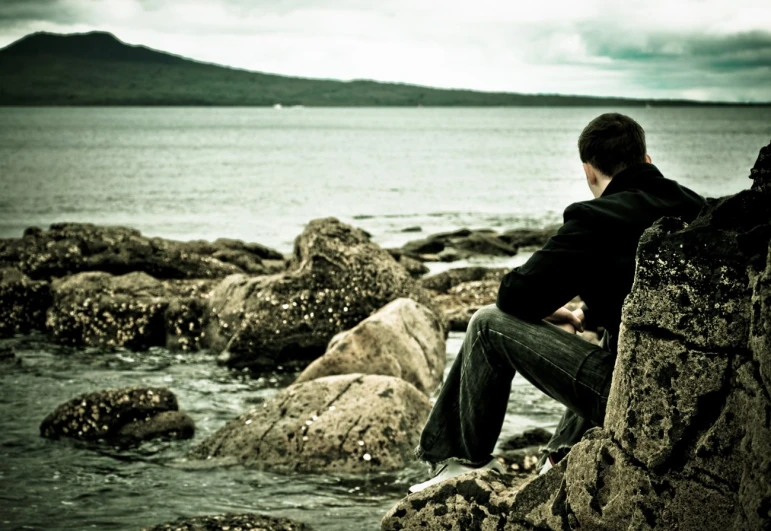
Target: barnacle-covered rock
[
  {"x": 23, "y": 302},
  {"x": 132, "y": 413},
  {"x": 134, "y": 310},
  {"x": 349, "y": 423},
  {"x": 232, "y": 522},
  {"x": 403, "y": 339},
  {"x": 69, "y": 248},
  {"x": 337, "y": 278}
]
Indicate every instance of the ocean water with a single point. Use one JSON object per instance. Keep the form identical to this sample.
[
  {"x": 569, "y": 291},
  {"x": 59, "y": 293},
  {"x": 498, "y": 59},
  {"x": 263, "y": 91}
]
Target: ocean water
[{"x": 260, "y": 175}]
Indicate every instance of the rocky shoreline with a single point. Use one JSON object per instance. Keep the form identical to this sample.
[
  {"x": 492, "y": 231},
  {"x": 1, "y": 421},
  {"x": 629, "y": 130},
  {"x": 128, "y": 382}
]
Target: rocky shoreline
[{"x": 368, "y": 330}]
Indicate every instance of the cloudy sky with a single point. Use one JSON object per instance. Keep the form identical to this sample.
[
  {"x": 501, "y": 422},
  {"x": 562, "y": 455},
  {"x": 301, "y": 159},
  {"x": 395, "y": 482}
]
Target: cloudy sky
[{"x": 707, "y": 49}]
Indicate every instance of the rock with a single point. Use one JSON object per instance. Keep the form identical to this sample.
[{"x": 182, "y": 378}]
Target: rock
[
  {"x": 23, "y": 303},
  {"x": 343, "y": 424},
  {"x": 69, "y": 248},
  {"x": 528, "y": 438},
  {"x": 486, "y": 244},
  {"x": 337, "y": 278},
  {"x": 131, "y": 413},
  {"x": 477, "y": 500},
  {"x": 415, "y": 228},
  {"x": 528, "y": 238},
  {"x": 415, "y": 268},
  {"x": 450, "y": 254},
  {"x": 424, "y": 246},
  {"x": 232, "y": 522},
  {"x": 133, "y": 311},
  {"x": 445, "y": 280},
  {"x": 403, "y": 339}
]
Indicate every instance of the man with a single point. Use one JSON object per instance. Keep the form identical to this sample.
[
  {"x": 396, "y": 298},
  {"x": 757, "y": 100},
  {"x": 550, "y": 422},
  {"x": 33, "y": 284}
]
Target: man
[{"x": 531, "y": 331}]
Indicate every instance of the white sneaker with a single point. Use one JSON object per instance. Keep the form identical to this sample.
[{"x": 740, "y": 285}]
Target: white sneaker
[{"x": 453, "y": 468}]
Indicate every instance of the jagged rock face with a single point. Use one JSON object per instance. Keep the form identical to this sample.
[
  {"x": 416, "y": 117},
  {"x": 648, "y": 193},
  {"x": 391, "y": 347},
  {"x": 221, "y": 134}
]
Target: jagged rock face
[
  {"x": 349, "y": 423},
  {"x": 23, "y": 303},
  {"x": 125, "y": 414},
  {"x": 69, "y": 248},
  {"x": 336, "y": 279},
  {"x": 403, "y": 339},
  {"x": 232, "y": 522},
  {"x": 135, "y": 311}
]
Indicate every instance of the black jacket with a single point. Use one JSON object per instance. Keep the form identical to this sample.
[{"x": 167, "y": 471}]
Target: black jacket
[{"x": 593, "y": 253}]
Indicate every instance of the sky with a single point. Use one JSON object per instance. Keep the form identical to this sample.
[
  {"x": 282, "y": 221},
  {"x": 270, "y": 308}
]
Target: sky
[{"x": 702, "y": 50}]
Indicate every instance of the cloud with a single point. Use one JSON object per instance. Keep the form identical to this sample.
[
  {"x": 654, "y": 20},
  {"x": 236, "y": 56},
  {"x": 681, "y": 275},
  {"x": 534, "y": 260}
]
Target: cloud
[{"x": 601, "y": 47}]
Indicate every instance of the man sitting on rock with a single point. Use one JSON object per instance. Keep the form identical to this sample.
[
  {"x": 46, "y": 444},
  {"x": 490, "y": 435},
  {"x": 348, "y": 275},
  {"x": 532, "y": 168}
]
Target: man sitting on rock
[{"x": 531, "y": 331}]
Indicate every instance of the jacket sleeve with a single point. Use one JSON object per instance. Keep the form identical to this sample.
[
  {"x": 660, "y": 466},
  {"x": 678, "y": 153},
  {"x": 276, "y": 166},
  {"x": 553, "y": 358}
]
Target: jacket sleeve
[{"x": 553, "y": 275}]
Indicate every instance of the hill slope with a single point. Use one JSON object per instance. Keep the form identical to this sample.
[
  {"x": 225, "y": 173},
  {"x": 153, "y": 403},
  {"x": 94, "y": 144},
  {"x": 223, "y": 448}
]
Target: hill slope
[{"x": 98, "y": 69}]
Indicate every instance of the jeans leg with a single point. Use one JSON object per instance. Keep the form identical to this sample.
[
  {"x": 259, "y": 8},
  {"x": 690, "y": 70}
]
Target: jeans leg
[
  {"x": 468, "y": 415},
  {"x": 466, "y": 421}
]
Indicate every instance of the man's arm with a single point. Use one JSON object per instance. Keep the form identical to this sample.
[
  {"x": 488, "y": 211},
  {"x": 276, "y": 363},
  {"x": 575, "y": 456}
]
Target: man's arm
[{"x": 553, "y": 275}]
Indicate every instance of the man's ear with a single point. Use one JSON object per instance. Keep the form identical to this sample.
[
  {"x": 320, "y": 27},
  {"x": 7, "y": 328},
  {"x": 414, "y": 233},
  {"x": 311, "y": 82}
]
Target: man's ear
[
  {"x": 647, "y": 158},
  {"x": 591, "y": 174}
]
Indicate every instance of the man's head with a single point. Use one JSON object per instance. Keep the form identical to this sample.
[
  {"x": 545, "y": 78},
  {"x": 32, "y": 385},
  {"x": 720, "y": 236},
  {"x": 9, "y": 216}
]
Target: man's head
[{"x": 610, "y": 143}]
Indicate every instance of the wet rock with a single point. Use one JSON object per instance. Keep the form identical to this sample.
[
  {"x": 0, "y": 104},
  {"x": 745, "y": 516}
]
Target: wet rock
[
  {"x": 132, "y": 311},
  {"x": 343, "y": 424},
  {"x": 167, "y": 424},
  {"x": 486, "y": 244},
  {"x": 415, "y": 268},
  {"x": 131, "y": 413},
  {"x": 232, "y": 522},
  {"x": 403, "y": 339},
  {"x": 423, "y": 246},
  {"x": 337, "y": 278},
  {"x": 528, "y": 238},
  {"x": 415, "y": 228},
  {"x": 23, "y": 303},
  {"x": 69, "y": 248}
]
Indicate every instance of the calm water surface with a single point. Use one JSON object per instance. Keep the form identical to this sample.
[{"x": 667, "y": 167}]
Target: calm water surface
[{"x": 260, "y": 175}]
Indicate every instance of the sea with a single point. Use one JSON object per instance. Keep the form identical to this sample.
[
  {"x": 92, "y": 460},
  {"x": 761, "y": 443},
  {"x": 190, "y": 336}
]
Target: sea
[{"x": 260, "y": 174}]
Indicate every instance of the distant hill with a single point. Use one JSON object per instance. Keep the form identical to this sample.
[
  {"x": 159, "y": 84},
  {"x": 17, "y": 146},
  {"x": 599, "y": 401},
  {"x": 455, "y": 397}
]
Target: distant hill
[{"x": 98, "y": 69}]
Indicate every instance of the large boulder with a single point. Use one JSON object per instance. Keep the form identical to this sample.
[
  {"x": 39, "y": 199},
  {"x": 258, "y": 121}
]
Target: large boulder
[
  {"x": 337, "y": 277},
  {"x": 403, "y": 339},
  {"x": 232, "y": 522},
  {"x": 349, "y": 423},
  {"x": 133, "y": 414},
  {"x": 134, "y": 311},
  {"x": 69, "y": 248},
  {"x": 686, "y": 442},
  {"x": 23, "y": 302}
]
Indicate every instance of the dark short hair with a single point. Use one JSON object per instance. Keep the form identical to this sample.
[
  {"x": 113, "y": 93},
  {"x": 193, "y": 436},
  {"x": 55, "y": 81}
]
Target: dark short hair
[{"x": 611, "y": 143}]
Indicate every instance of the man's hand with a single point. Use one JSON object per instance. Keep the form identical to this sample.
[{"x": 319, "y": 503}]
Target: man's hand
[{"x": 569, "y": 321}]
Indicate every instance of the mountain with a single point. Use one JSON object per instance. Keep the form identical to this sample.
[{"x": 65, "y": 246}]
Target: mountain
[{"x": 98, "y": 69}]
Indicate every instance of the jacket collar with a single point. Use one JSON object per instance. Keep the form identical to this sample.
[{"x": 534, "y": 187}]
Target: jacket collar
[{"x": 631, "y": 177}]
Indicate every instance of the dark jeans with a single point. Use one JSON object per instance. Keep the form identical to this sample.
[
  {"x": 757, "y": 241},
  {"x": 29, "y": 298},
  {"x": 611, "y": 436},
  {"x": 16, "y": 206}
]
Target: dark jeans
[{"x": 466, "y": 420}]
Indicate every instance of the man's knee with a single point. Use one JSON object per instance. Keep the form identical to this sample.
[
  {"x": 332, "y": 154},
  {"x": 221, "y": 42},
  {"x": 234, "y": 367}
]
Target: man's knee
[{"x": 483, "y": 317}]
